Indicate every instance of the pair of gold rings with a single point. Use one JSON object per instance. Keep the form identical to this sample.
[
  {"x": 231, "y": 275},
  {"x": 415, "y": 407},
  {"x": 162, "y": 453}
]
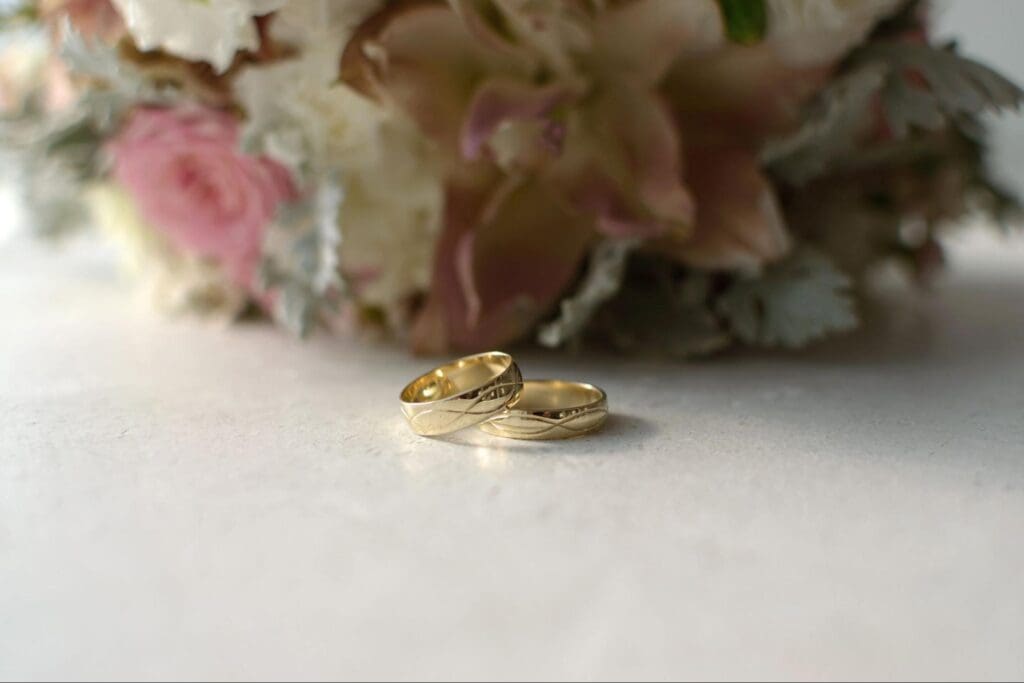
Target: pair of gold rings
[{"x": 488, "y": 390}]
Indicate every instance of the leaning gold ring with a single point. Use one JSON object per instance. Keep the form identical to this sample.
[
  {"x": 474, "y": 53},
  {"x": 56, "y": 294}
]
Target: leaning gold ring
[
  {"x": 461, "y": 394},
  {"x": 551, "y": 409}
]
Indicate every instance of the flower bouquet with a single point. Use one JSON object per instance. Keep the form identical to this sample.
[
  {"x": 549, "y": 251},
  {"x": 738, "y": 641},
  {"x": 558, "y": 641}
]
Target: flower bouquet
[{"x": 468, "y": 173}]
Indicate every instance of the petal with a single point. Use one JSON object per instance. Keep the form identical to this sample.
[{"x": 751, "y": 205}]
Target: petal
[
  {"x": 623, "y": 165},
  {"x": 502, "y": 100},
  {"x": 466, "y": 277},
  {"x": 739, "y": 223},
  {"x": 485, "y": 22},
  {"x": 739, "y": 94},
  {"x": 198, "y": 31},
  {"x": 502, "y": 262},
  {"x": 420, "y": 57},
  {"x": 652, "y": 150},
  {"x": 544, "y": 35},
  {"x": 664, "y": 29}
]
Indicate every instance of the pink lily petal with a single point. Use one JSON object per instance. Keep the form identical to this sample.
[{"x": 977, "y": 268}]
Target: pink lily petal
[
  {"x": 665, "y": 29},
  {"x": 502, "y": 263},
  {"x": 419, "y": 56},
  {"x": 623, "y": 165},
  {"x": 739, "y": 95},
  {"x": 501, "y": 100},
  {"x": 739, "y": 223}
]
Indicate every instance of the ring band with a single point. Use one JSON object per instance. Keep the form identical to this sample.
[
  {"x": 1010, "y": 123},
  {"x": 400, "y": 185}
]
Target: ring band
[
  {"x": 551, "y": 409},
  {"x": 461, "y": 394}
]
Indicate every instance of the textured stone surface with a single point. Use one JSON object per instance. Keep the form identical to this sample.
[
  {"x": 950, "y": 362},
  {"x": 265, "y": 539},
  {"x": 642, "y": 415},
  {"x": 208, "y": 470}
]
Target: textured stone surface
[{"x": 180, "y": 500}]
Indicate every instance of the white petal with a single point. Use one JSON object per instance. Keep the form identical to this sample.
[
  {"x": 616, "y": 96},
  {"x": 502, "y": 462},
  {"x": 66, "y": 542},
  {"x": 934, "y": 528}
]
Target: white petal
[{"x": 203, "y": 30}]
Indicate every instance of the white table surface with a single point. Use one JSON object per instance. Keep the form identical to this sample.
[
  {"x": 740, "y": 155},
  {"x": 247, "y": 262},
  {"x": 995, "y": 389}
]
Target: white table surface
[{"x": 179, "y": 500}]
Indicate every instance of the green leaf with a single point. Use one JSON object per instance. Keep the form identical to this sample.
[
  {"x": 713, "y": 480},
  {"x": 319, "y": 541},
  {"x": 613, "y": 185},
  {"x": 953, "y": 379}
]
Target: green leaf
[
  {"x": 745, "y": 20},
  {"x": 791, "y": 303}
]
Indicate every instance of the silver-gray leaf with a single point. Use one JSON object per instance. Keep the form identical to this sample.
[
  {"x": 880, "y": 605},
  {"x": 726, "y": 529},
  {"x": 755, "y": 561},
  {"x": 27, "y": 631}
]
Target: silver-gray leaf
[{"x": 791, "y": 303}]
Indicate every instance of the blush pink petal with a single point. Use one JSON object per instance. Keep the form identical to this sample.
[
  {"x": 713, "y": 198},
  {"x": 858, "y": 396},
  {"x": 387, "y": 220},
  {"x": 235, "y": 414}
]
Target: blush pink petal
[
  {"x": 420, "y": 56},
  {"x": 623, "y": 166},
  {"x": 500, "y": 267},
  {"x": 739, "y": 222},
  {"x": 190, "y": 181},
  {"x": 503, "y": 100}
]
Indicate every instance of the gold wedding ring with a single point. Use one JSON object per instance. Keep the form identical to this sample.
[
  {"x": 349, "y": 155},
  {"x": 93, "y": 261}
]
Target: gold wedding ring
[
  {"x": 462, "y": 393},
  {"x": 551, "y": 409}
]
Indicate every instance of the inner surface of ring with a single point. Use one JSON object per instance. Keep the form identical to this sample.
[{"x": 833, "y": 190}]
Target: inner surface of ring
[
  {"x": 456, "y": 378},
  {"x": 548, "y": 396}
]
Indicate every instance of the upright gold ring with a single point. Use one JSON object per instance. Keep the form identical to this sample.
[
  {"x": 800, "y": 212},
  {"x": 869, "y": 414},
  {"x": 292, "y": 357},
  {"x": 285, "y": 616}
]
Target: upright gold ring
[
  {"x": 551, "y": 409},
  {"x": 461, "y": 394}
]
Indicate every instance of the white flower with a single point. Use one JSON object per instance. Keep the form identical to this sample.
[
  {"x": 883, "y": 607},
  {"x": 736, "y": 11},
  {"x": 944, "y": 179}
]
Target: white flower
[
  {"x": 391, "y": 217},
  {"x": 305, "y": 123},
  {"x": 295, "y": 111},
  {"x": 206, "y": 30},
  {"x": 390, "y": 179},
  {"x": 320, "y": 29},
  {"x": 817, "y": 32}
]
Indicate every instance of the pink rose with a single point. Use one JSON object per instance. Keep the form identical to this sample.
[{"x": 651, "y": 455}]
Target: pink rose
[{"x": 191, "y": 182}]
